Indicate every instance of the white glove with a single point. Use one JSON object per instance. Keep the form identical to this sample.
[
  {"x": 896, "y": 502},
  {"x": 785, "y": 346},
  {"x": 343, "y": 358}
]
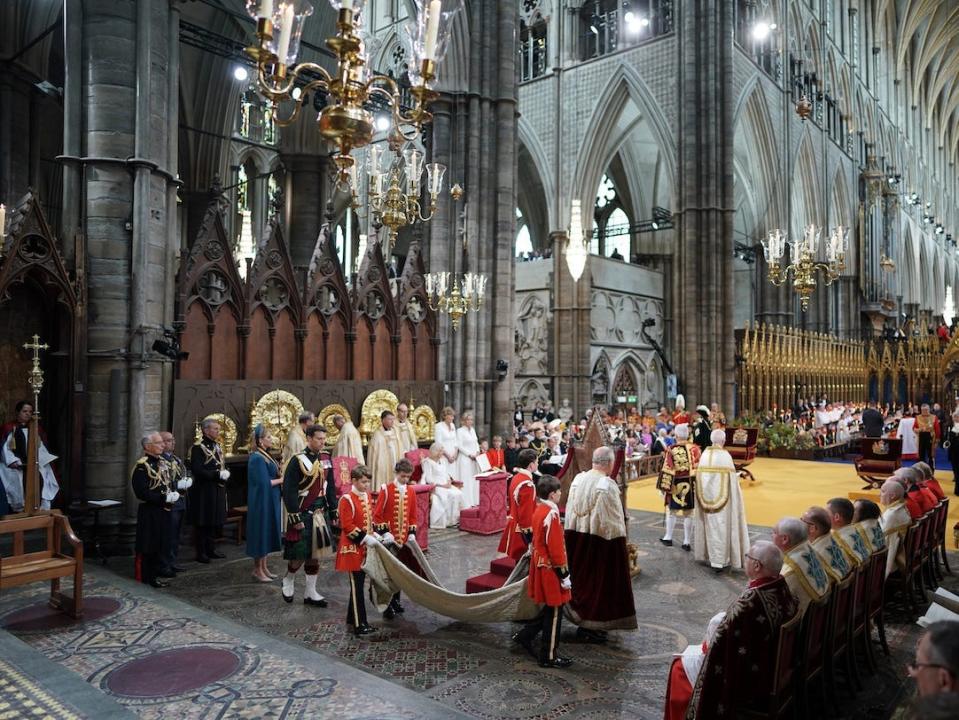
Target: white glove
[
  {"x": 172, "y": 496},
  {"x": 224, "y": 474},
  {"x": 370, "y": 540},
  {"x": 388, "y": 538},
  {"x": 189, "y": 482},
  {"x": 183, "y": 484},
  {"x": 567, "y": 583}
]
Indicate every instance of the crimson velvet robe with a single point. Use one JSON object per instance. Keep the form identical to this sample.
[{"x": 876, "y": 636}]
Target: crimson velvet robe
[{"x": 731, "y": 679}]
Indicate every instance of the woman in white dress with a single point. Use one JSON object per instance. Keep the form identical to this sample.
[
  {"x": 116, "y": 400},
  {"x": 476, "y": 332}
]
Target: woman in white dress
[
  {"x": 469, "y": 448},
  {"x": 447, "y": 498},
  {"x": 444, "y": 433}
]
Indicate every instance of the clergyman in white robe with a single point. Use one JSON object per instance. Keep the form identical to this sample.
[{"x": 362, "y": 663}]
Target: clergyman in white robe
[
  {"x": 12, "y": 474},
  {"x": 447, "y": 501},
  {"x": 721, "y": 536},
  {"x": 349, "y": 444},
  {"x": 382, "y": 454},
  {"x": 907, "y": 432}
]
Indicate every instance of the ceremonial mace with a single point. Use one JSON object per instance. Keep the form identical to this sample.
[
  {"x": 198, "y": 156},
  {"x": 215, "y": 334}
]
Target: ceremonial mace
[{"x": 31, "y": 476}]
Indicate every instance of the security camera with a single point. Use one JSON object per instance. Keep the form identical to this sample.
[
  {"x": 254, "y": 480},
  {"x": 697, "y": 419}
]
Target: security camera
[{"x": 502, "y": 368}]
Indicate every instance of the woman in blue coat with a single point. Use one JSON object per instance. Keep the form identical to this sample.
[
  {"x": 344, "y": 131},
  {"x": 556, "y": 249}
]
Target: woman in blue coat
[{"x": 263, "y": 505}]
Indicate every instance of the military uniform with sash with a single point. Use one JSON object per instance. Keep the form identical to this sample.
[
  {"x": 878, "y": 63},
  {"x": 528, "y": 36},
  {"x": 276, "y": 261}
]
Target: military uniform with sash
[
  {"x": 208, "y": 499},
  {"x": 151, "y": 485}
]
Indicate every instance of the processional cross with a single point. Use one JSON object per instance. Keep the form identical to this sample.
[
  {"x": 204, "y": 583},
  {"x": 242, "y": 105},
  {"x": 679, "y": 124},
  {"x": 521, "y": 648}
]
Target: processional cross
[{"x": 31, "y": 474}]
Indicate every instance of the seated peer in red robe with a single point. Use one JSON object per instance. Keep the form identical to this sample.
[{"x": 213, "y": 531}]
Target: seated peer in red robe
[
  {"x": 934, "y": 487},
  {"x": 920, "y": 500},
  {"x": 687, "y": 666},
  {"x": 729, "y": 678}
]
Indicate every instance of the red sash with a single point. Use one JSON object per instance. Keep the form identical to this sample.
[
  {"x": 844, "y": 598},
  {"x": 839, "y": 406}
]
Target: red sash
[{"x": 292, "y": 534}]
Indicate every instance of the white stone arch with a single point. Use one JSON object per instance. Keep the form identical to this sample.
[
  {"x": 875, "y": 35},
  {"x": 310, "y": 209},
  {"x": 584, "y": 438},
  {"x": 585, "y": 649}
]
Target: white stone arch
[
  {"x": 937, "y": 289},
  {"x": 528, "y": 140},
  {"x": 806, "y": 207},
  {"x": 907, "y": 267},
  {"x": 625, "y": 100},
  {"x": 840, "y": 209},
  {"x": 531, "y": 392},
  {"x": 756, "y": 158},
  {"x": 925, "y": 275}
]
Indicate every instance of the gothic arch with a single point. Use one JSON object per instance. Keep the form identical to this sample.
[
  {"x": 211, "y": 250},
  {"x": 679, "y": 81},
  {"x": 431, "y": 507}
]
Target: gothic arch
[
  {"x": 531, "y": 392},
  {"x": 908, "y": 262},
  {"x": 625, "y": 105},
  {"x": 805, "y": 201},
  {"x": 840, "y": 210},
  {"x": 925, "y": 276},
  {"x": 535, "y": 194},
  {"x": 756, "y": 158}
]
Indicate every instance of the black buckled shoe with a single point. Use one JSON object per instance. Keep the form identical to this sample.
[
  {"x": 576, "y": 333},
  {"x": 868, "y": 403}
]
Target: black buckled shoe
[
  {"x": 556, "y": 662},
  {"x": 687, "y": 547},
  {"x": 389, "y": 613},
  {"x": 364, "y": 630},
  {"x": 521, "y": 640},
  {"x": 667, "y": 543},
  {"x": 310, "y": 601},
  {"x": 158, "y": 583},
  {"x": 216, "y": 554},
  {"x": 397, "y": 607}
]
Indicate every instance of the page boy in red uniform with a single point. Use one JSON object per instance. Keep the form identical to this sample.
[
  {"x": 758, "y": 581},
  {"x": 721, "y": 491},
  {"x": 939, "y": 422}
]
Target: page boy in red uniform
[
  {"x": 395, "y": 520},
  {"x": 356, "y": 526},
  {"x": 549, "y": 582},
  {"x": 522, "y": 501}
]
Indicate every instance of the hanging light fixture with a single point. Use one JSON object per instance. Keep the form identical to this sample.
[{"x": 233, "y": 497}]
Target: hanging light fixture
[
  {"x": 802, "y": 264},
  {"x": 576, "y": 250},
  {"x": 346, "y": 121}
]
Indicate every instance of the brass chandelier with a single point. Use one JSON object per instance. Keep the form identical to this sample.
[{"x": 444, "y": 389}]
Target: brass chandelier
[
  {"x": 455, "y": 297},
  {"x": 346, "y": 121},
  {"x": 804, "y": 266}
]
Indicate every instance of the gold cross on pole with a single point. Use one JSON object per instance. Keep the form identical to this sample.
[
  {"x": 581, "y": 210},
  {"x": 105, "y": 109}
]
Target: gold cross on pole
[{"x": 36, "y": 374}]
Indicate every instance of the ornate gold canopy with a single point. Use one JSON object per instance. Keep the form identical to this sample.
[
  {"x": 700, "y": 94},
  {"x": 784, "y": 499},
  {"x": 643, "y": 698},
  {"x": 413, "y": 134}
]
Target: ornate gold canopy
[
  {"x": 376, "y": 402},
  {"x": 278, "y": 412},
  {"x": 424, "y": 423},
  {"x": 227, "y": 432},
  {"x": 325, "y": 418}
]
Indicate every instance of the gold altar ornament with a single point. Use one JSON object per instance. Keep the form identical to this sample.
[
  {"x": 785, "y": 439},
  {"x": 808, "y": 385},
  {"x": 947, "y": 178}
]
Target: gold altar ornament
[
  {"x": 325, "y": 418},
  {"x": 35, "y": 378},
  {"x": 424, "y": 423},
  {"x": 278, "y": 411},
  {"x": 376, "y": 402},
  {"x": 228, "y": 432}
]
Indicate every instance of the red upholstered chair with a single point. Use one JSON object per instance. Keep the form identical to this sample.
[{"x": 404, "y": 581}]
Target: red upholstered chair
[
  {"x": 342, "y": 467},
  {"x": 416, "y": 457},
  {"x": 489, "y": 517}
]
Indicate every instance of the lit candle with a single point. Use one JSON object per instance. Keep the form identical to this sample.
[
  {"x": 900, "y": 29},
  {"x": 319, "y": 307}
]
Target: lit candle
[
  {"x": 429, "y": 283},
  {"x": 432, "y": 29},
  {"x": 286, "y": 29},
  {"x": 266, "y": 9},
  {"x": 3, "y": 220}
]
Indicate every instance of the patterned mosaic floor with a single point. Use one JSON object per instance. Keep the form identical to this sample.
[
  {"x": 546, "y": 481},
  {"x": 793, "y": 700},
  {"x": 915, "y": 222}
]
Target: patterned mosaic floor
[
  {"x": 229, "y": 647},
  {"x": 22, "y": 697}
]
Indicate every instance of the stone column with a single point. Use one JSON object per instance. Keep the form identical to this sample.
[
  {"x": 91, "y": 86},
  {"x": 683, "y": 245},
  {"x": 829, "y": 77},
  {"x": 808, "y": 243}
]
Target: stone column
[
  {"x": 705, "y": 244},
  {"x": 310, "y": 188},
  {"x": 125, "y": 67},
  {"x": 570, "y": 330}
]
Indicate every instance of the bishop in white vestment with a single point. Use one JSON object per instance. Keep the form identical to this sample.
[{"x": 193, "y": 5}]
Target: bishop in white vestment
[
  {"x": 384, "y": 451},
  {"x": 348, "y": 444},
  {"x": 721, "y": 537}
]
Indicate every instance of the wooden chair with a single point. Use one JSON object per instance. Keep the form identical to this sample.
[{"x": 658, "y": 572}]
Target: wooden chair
[
  {"x": 875, "y": 595},
  {"x": 904, "y": 580},
  {"x": 939, "y": 557},
  {"x": 927, "y": 550},
  {"x": 813, "y": 648},
  {"x": 782, "y": 694},
  {"x": 838, "y": 653},
  {"x": 22, "y": 568},
  {"x": 859, "y": 632},
  {"x": 879, "y": 459}
]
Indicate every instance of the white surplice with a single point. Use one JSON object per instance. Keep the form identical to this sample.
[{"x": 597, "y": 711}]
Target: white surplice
[
  {"x": 467, "y": 468},
  {"x": 721, "y": 536},
  {"x": 12, "y": 477},
  {"x": 907, "y": 431}
]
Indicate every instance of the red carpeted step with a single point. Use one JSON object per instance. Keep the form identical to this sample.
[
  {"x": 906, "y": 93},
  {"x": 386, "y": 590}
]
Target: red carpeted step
[
  {"x": 502, "y": 566},
  {"x": 472, "y": 512},
  {"x": 482, "y": 583}
]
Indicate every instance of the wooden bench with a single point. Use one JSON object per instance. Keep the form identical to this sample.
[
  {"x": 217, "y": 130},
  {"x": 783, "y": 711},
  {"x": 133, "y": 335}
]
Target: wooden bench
[{"x": 22, "y": 568}]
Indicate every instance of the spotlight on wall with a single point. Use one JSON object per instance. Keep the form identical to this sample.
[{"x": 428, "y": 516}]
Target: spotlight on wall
[
  {"x": 940, "y": 229},
  {"x": 635, "y": 24},
  {"x": 240, "y": 73},
  {"x": 502, "y": 369},
  {"x": 762, "y": 30}
]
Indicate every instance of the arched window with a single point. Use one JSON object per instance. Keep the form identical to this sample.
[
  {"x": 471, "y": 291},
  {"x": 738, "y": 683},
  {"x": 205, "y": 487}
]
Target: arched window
[
  {"x": 533, "y": 57},
  {"x": 245, "y": 243},
  {"x": 617, "y": 235},
  {"x": 523, "y": 247}
]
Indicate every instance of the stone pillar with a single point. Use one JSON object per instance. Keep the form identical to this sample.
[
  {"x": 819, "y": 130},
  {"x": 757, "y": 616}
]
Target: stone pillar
[
  {"x": 125, "y": 66},
  {"x": 570, "y": 330},
  {"x": 309, "y": 190},
  {"x": 705, "y": 194}
]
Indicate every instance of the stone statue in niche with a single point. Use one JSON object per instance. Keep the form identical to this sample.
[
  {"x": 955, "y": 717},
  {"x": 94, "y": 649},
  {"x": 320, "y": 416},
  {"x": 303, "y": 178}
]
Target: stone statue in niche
[
  {"x": 599, "y": 382},
  {"x": 213, "y": 287},
  {"x": 565, "y": 412},
  {"x": 532, "y": 338}
]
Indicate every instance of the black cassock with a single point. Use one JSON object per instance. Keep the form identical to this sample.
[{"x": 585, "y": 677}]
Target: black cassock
[
  {"x": 701, "y": 433},
  {"x": 208, "y": 494}
]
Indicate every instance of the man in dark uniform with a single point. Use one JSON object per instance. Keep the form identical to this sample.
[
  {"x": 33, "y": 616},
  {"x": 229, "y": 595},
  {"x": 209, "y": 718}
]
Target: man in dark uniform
[
  {"x": 538, "y": 443},
  {"x": 308, "y": 494},
  {"x": 872, "y": 421},
  {"x": 151, "y": 485},
  {"x": 702, "y": 428},
  {"x": 180, "y": 481},
  {"x": 208, "y": 499}
]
